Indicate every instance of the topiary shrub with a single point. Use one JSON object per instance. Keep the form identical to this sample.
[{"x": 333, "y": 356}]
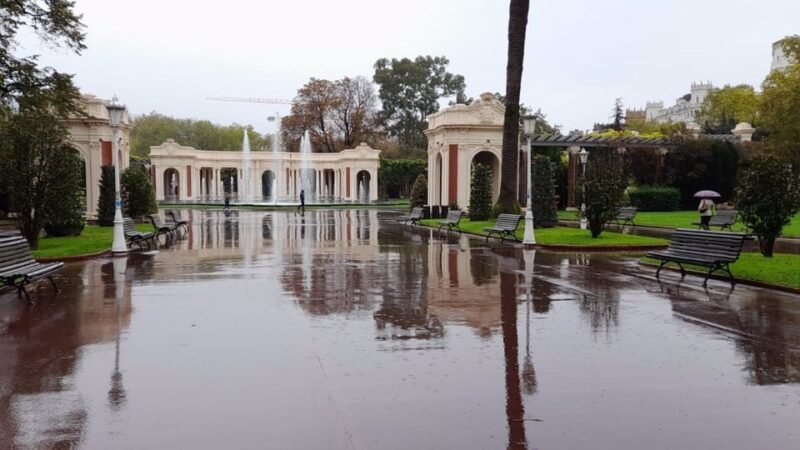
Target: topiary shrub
[
  {"x": 480, "y": 195},
  {"x": 768, "y": 196},
  {"x": 655, "y": 198},
  {"x": 105, "y": 204},
  {"x": 419, "y": 191},
  {"x": 138, "y": 192},
  {"x": 602, "y": 188},
  {"x": 64, "y": 207},
  {"x": 544, "y": 193}
]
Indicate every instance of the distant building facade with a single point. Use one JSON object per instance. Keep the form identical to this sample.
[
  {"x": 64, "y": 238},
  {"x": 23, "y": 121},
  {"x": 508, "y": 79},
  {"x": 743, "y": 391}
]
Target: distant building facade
[
  {"x": 780, "y": 60},
  {"x": 685, "y": 109}
]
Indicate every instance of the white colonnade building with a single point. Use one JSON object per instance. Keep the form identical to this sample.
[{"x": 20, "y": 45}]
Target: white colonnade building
[{"x": 181, "y": 173}]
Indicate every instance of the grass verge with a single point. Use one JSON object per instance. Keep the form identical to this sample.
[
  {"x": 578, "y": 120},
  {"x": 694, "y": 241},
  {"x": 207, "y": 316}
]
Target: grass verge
[
  {"x": 94, "y": 239},
  {"x": 781, "y": 269},
  {"x": 684, "y": 219},
  {"x": 565, "y": 236}
]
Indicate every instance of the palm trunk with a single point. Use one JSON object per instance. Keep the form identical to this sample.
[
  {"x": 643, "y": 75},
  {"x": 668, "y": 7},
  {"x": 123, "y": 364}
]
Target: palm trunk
[{"x": 517, "y": 25}]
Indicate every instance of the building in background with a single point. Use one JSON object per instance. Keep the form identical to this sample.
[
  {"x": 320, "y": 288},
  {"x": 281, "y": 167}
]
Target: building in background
[
  {"x": 685, "y": 109},
  {"x": 780, "y": 60}
]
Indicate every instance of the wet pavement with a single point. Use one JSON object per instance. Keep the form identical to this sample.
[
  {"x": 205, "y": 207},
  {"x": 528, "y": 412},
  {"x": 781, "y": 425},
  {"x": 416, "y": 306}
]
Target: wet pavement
[{"x": 344, "y": 330}]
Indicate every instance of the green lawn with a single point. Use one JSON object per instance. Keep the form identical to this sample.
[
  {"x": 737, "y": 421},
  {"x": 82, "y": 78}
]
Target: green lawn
[
  {"x": 781, "y": 269},
  {"x": 94, "y": 239},
  {"x": 561, "y": 235},
  {"x": 684, "y": 219}
]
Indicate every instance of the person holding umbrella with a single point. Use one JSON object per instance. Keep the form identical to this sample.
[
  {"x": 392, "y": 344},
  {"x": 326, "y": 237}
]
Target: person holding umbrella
[{"x": 706, "y": 208}]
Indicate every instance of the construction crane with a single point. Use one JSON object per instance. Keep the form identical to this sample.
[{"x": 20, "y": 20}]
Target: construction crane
[{"x": 269, "y": 101}]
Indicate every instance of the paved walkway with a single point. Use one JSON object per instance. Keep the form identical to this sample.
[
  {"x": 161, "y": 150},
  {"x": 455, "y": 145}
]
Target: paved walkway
[{"x": 343, "y": 329}]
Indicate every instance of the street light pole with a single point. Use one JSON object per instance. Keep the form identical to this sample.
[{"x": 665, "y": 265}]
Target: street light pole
[
  {"x": 584, "y": 157},
  {"x": 529, "y": 238},
  {"x": 115, "y": 112}
]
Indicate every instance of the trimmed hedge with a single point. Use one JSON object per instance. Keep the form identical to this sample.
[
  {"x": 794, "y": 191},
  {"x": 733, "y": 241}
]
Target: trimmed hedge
[{"x": 655, "y": 198}]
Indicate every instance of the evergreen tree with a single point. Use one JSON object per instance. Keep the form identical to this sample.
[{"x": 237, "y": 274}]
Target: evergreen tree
[
  {"x": 105, "y": 205},
  {"x": 64, "y": 207},
  {"x": 602, "y": 189},
  {"x": 544, "y": 192},
  {"x": 480, "y": 196},
  {"x": 419, "y": 191},
  {"x": 140, "y": 197}
]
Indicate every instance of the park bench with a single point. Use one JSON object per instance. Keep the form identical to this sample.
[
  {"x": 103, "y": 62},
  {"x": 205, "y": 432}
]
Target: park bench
[
  {"x": 452, "y": 220},
  {"x": 724, "y": 219},
  {"x": 18, "y": 268},
  {"x": 176, "y": 221},
  {"x": 625, "y": 216},
  {"x": 134, "y": 236},
  {"x": 414, "y": 216},
  {"x": 713, "y": 249},
  {"x": 161, "y": 227},
  {"x": 506, "y": 225}
]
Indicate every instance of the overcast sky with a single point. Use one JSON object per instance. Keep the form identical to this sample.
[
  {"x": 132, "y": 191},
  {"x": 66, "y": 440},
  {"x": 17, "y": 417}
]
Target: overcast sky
[{"x": 169, "y": 55}]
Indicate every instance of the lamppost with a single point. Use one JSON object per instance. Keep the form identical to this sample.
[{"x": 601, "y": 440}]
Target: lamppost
[
  {"x": 584, "y": 158},
  {"x": 529, "y": 130},
  {"x": 115, "y": 113}
]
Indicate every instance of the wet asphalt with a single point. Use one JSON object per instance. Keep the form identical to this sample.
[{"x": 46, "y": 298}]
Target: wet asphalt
[{"x": 343, "y": 329}]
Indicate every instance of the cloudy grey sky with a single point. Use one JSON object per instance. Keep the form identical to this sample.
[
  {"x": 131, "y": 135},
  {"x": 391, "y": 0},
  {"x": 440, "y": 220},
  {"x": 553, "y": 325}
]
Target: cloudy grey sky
[{"x": 168, "y": 55}]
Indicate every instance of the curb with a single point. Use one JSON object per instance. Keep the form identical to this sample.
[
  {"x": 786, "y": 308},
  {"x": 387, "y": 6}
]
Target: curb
[
  {"x": 74, "y": 257},
  {"x": 579, "y": 248},
  {"x": 745, "y": 281}
]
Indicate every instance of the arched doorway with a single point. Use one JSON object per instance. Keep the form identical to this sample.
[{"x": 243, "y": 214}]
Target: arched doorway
[
  {"x": 172, "y": 184},
  {"x": 362, "y": 186},
  {"x": 268, "y": 184},
  {"x": 490, "y": 159}
]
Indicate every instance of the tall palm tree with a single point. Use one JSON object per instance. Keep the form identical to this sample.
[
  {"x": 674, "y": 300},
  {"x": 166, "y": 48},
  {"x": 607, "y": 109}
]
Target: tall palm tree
[{"x": 517, "y": 25}]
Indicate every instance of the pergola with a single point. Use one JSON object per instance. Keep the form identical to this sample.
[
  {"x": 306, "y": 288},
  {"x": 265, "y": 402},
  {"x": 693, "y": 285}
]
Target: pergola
[{"x": 574, "y": 143}]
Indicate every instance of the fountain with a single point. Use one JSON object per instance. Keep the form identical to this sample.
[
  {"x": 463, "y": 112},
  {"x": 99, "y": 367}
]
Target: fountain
[
  {"x": 306, "y": 176},
  {"x": 361, "y": 192},
  {"x": 244, "y": 191},
  {"x": 276, "y": 164}
]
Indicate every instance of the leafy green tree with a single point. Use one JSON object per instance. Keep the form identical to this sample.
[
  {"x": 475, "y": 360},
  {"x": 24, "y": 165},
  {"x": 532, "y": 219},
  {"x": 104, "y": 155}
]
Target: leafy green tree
[
  {"x": 410, "y": 90},
  {"x": 56, "y": 23},
  {"x": 106, "y": 202},
  {"x": 544, "y": 192},
  {"x": 154, "y": 128},
  {"x": 419, "y": 192},
  {"x": 65, "y": 208},
  {"x": 768, "y": 196},
  {"x": 480, "y": 195},
  {"x": 603, "y": 188},
  {"x": 33, "y": 152},
  {"x": 137, "y": 189},
  {"x": 396, "y": 176},
  {"x": 723, "y": 108},
  {"x": 517, "y": 28},
  {"x": 780, "y": 105}
]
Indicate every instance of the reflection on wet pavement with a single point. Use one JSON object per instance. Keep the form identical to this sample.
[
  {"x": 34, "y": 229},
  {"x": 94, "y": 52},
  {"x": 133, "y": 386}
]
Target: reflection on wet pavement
[{"x": 343, "y": 329}]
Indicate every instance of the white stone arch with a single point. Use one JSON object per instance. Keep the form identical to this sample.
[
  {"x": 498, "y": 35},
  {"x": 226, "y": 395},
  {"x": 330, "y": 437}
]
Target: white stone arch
[
  {"x": 171, "y": 183},
  {"x": 496, "y": 168}
]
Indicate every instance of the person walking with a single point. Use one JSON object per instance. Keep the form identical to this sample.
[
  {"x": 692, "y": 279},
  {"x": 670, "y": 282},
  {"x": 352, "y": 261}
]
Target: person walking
[
  {"x": 707, "y": 209},
  {"x": 302, "y": 206},
  {"x": 227, "y": 204}
]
